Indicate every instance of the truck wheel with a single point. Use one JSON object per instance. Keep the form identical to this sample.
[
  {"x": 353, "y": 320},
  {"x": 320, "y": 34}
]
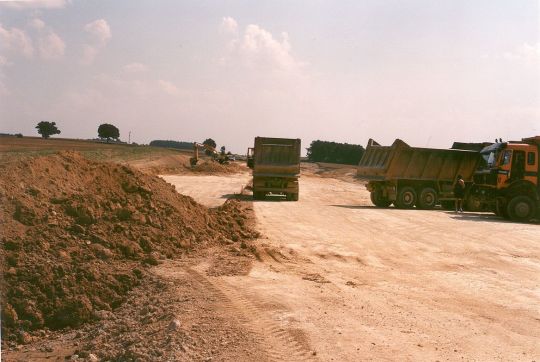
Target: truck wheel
[
  {"x": 427, "y": 199},
  {"x": 521, "y": 208},
  {"x": 406, "y": 198},
  {"x": 292, "y": 197},
  {"x": 378, "y": 199},
  {"x": 473, "y": 203}
]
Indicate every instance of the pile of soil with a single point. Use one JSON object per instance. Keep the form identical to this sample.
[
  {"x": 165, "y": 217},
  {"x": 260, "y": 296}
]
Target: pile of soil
[
  {"x": 78, "y": 235},
  {"x": 213, "y": 167},
  {"x": 165, "y": 165}
]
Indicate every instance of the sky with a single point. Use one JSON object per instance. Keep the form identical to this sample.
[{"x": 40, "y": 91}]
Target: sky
[{"x": 427, "y": 72}]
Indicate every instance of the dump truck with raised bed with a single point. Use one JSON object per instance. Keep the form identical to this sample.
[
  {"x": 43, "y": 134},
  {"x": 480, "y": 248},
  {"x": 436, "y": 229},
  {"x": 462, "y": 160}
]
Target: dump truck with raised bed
[
  {"x": 276, "y": 167},
  {"x": 411, "y": 176},
  {"x": 508, "y": 179}
]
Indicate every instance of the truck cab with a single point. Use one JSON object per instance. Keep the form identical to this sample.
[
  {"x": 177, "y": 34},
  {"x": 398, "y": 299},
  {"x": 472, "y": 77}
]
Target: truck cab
[{"x": 508, "y": 178}]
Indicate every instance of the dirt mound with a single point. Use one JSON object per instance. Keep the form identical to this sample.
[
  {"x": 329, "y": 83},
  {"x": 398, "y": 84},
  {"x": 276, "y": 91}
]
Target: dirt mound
[
  {"x": 165, "y": 165},
  {"x": 179, "y": 164},
  {"x": 78, "y": 235},
  {"x": 212, "y": 167}
]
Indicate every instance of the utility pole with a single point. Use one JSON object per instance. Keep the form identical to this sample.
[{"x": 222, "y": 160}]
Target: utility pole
[{"x": 129, "y": 138}]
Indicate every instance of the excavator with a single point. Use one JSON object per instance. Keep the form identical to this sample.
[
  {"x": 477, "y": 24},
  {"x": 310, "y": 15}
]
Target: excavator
[{"x": 222, "y": 158}]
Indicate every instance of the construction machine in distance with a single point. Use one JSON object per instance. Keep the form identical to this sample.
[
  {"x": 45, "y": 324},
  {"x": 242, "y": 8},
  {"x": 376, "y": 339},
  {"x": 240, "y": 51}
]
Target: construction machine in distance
[
  {"x": 508, "y": 179},
  {"x": 411, "y": 176},
  {"x": 276, "y": 167},
  {"x": 222, "y": 158}
]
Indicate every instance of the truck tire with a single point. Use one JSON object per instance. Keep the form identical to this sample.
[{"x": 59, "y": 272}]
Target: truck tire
[
  {"x": 406, "y": 198},
  {"x": 292, "y": 197},
  {"x": 521, "y": 208},
  {"x": 427, "y": 199},
  {"x": 473, "y": 203},
  {"x": 378, "y": 199}
]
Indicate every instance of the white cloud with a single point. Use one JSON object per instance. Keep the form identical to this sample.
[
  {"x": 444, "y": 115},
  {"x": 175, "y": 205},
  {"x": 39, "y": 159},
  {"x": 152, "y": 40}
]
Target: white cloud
[
  {"x": 229, "y": 25},
  {"x": 100, "y": 34},
  {"x": 34, "y": 4},
  {"x": 99, "y": 30},
  {"x": 168, "y": 87},
  {"x": 135, "y": 68},
  {"x": 37, "y": 23},
  {"x": 51, "y": 46},
  {"x": 16, "y": 41},
  {"x": 257, "y": 48},
  {"x": 526, "y": 53}
]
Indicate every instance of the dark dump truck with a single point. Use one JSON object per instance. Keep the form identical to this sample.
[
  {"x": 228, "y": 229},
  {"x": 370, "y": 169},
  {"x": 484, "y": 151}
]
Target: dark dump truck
[
  {"x": 276, "y": 167},
  {"x": 411, "y": 176}
]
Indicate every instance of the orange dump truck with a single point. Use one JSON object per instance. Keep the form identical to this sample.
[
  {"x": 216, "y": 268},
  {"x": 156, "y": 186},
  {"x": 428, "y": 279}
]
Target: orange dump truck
[
  {"x": 276, "y": 167},
  {"x": 411, "y": 176}
]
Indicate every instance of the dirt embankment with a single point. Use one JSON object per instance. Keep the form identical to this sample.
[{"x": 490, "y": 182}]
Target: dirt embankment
[
  {"x": 78, "y": 235},
  {"x": 179, "y": 165},
  {"x": 213, "y": 167}
]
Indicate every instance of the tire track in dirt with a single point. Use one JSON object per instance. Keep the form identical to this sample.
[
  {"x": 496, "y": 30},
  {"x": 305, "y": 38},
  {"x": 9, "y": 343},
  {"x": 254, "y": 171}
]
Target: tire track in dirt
[{"x": 281, "y": 344}]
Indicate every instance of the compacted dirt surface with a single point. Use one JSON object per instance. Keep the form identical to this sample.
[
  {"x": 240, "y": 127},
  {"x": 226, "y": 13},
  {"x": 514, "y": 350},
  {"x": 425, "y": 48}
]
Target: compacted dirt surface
[
  {"x": 339, "y": 279},
  {"x": 216, "y": 188}
]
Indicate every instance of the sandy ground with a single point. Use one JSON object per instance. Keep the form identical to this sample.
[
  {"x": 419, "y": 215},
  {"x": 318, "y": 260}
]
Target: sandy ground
[
  {"x": 210, "y": 190},
  {"x": 342, "y": 280}
]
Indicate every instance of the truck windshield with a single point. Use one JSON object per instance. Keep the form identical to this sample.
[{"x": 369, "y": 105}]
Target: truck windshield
[{"x": 490, "y": 155}]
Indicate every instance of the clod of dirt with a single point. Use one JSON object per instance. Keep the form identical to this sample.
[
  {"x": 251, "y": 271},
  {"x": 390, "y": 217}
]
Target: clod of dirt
[
  {"x": 78, "y": 235},
  {"x": 316, "y": 277}
]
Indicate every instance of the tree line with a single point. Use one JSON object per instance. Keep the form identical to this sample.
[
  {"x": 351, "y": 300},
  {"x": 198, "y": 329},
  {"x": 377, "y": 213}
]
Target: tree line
[
  {"x": 319, "y": 151},
  {"x": 105, "y": 130},
  {"x": 334, "y": 152},
  {"x": 181, "y": 145}
]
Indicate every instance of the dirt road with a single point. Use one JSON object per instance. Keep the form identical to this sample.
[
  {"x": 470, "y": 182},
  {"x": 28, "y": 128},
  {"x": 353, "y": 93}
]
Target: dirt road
[{"x": 342, "y": 280}]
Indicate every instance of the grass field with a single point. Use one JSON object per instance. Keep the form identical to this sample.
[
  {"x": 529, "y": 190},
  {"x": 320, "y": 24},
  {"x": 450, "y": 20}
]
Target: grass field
[{"x": 15, "y": 148}]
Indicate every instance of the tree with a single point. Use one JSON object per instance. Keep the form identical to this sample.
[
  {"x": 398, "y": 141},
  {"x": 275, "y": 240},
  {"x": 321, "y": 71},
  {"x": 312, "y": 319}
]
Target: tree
[
  {"x": 222, "y": 150},
  {"x": 47, "y": 129},
  {"x": 209, "y": 142},
  {"x": 333, "y": 152},
  {"x": 108, "y": 131}
]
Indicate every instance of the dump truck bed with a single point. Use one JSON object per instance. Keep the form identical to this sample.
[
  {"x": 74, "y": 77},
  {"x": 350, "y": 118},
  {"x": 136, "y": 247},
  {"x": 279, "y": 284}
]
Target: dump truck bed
[
  {"x": 401, "y": 161},
  {"x": 276, "y": 157}
]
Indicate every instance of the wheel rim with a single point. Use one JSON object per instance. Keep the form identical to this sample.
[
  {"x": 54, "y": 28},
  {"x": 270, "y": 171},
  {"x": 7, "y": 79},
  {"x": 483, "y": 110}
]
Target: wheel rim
[
  {"x": 408, "y": 198},
  {"x": 522, "y": 209},
  {"x": 429, "y": 199}
]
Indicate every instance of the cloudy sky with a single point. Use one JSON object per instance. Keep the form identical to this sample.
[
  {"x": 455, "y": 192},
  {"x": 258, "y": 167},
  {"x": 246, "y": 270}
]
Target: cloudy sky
[{"x": 428, "y": 72}]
